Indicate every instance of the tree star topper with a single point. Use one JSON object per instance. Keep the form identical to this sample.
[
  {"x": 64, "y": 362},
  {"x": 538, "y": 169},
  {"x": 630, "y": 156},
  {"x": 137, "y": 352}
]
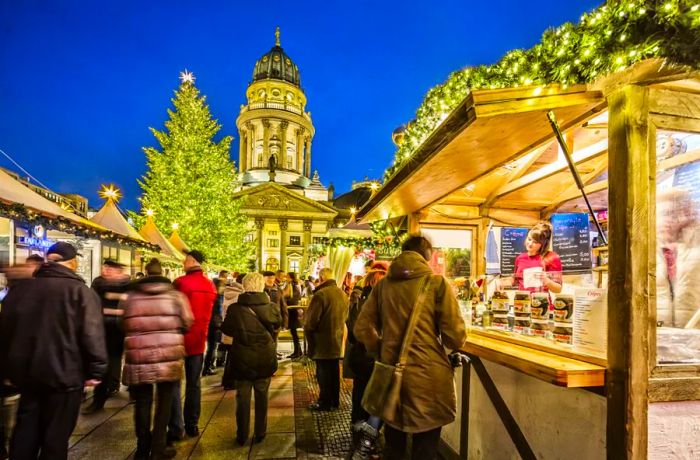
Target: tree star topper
[
  {"x": 110, "y": 192},
  {"x": 187, "y": 77}
]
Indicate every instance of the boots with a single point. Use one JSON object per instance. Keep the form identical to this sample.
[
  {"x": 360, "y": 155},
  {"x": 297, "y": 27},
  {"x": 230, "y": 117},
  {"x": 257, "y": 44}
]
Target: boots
[{"x": 366, "y": 437}]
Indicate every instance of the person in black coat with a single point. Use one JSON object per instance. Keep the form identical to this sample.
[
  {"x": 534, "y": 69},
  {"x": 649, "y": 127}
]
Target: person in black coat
[
  {"x": 251, "y": 322},
  {"x": 293, "y": 298},
  {"x": 52, "y": 345},
  {"x": 111, "y": 286}
]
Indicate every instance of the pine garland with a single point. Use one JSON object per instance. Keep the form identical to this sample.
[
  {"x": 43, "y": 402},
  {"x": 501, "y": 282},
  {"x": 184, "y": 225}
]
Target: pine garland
[
  {"x": 606, "y": 40},
  {"x": 19, "y": 212}
]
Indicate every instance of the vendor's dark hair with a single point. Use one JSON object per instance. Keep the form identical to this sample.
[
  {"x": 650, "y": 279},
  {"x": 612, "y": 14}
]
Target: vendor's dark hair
[
  {"x": 419, "y": 244},
  {"x": 541, "y": 232},
  {"x": 293, "y": 277}
]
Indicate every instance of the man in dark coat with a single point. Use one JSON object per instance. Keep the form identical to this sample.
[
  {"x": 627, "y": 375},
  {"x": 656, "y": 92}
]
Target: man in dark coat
[
  {"x": 324, "y": 327},
  {"x": 276, "y": 296},
  {"x": 111, "y": 286},
  {"x": 51, "y": 346},
  {"x": 251, "y": 322}
]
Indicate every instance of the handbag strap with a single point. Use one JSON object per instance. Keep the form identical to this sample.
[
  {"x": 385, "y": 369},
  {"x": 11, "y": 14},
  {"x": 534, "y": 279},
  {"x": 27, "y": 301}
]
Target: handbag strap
[
  {"x": 260, "y": 321},
  {"x": 412, "y": 321}
]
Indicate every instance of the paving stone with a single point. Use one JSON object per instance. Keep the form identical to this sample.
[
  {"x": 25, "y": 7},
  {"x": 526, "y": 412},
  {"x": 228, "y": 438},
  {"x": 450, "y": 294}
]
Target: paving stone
[
  {"x": 275, "y": 445},
  {"x": 281, "y": 398},
  {"x": 280, "y": 420},
  {"x": 113, "y": 439}
]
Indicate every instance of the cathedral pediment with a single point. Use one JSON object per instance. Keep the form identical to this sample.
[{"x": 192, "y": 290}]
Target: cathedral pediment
[{"x": 272, "y": 199}]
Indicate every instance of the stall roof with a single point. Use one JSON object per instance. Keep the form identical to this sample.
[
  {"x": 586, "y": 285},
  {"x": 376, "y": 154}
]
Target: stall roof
[
  {"x": 177, "y": 241},
  {"x": 110, "y": 217},
  {"x": 150, "y": 233},
  {"x": 491, "y": 128},
  {"x": 12, "y": 191}
]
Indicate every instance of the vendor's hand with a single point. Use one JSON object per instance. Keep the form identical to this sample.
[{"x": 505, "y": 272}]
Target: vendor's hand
[{"x": 92, "y": 382}]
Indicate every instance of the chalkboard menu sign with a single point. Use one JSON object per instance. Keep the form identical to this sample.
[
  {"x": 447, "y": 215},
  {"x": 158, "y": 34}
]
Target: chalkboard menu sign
[
  {"x": 572, "y": 241},
  {"x": 512, "y": 244},
  {"x": 688, "y": 177}
]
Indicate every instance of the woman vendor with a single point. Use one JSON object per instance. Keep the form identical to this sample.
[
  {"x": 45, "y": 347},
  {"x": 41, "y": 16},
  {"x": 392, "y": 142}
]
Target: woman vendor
[{"x": 538, "y": 269}]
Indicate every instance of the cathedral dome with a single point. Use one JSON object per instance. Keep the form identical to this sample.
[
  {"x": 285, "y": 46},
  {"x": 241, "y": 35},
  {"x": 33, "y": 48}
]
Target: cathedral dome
[{"x": 276, "y": 64}]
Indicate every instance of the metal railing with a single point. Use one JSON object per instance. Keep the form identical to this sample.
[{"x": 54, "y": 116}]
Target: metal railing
[{"x": 276, "y": 106}]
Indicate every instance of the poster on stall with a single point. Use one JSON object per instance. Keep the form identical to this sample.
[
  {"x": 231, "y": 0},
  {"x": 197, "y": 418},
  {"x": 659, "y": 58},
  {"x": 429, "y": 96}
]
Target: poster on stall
[{"x": 590, "y": 322}]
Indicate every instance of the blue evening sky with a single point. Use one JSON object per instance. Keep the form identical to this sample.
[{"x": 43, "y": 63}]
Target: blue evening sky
[{"x": 82, "y": 81}]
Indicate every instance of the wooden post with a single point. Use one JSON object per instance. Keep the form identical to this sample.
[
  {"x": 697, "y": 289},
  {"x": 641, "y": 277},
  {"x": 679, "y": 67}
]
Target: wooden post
[
  {"x": 628, "y": 301},
  {"x": 414, "y": 220}
]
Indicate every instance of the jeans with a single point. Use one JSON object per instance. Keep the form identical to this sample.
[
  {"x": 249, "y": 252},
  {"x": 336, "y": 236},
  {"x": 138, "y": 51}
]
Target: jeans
[
  {"x": 193, "y": 396},
  {"x": 243, "y": 391},
  {"x": 328, "y": 377},
  {"x": 148, "y": 441},
  {"x": 45, "y": 421},
  {"x": 212, "y": 345},
  {"x": 425, "y": 445}
]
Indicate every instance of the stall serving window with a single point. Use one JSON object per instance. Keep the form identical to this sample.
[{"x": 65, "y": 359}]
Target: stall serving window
[{"x": 452, "y": 251}]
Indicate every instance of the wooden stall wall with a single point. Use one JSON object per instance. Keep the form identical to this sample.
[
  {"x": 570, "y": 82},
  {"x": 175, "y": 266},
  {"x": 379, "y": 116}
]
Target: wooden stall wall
[{"x": 558, "y": 423}]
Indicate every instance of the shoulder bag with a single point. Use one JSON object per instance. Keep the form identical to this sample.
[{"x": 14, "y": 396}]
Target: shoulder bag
[{"x": 383, "y": 391}]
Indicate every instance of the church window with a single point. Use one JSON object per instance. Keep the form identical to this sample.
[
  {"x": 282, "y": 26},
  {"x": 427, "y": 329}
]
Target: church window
[
  {"x": 290, "y": 162},
  {"x": 249, "y": 238},
  {"x": 318, "y": 240},
  {"x": 295, "y": 241},
  {"x": 260, "y": 160},
  {"x": 273, "y": 243},
  {"x": 272, "y": 233},
  {"x": 294, "y": 265},
  {"x": 290, "y": 96},
  {"x": 272, "y": 264}
]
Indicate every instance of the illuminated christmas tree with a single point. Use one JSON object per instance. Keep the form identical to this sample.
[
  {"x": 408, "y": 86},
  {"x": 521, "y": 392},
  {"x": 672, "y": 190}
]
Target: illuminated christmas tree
[{"x": 190, "y": 181}]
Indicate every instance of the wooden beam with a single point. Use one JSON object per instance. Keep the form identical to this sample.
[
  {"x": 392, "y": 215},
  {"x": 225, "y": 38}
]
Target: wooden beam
[
  {"x": 675, "y": 103},
  {"x": 674, "y": 123},
  {"x": 573, "y": 191},
  {"x": 678, "y": 160},
  {"x": 582, "y": 155},
  {"x": 524, "y": 164},
  {"x": 631, "y": 182}
]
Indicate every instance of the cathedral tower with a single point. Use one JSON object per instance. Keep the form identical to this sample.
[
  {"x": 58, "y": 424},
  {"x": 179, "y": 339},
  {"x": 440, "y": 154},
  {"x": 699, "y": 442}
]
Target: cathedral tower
[{"x": 274, "y": 124}]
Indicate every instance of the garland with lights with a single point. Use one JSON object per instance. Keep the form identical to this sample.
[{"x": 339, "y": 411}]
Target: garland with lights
[
  {"x": 19, "y": 212},
  {"x": 386, "y": 238},
  {"x": 606, "y": 40}
]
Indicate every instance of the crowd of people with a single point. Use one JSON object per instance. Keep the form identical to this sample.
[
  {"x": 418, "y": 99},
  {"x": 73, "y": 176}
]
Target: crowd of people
[{"x": 58, "y": 336}]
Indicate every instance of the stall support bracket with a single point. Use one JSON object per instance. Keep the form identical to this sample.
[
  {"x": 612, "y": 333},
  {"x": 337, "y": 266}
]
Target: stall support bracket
[
  {"x": 509, "y": 422},
  {"x": 574, "y": 172}
]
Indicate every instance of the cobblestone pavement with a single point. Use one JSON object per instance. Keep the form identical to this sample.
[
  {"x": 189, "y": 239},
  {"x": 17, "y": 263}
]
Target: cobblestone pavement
[{"x": 293, "y": 431}]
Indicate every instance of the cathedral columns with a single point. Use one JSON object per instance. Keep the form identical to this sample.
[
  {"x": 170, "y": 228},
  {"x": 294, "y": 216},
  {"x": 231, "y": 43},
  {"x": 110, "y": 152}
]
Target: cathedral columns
[
  {"x": 250, "y": 146},
  {"x": 259, "y": 225},
  {"x": 242, "y": 150},
  {"x": 306, "y": 240},
  {"x": 266, "y": 141},
  {"x": 307, "y": 160},
  {"x": 284, "y": 225},
  {"x": 300, "y": 150},
  {"x": 283, "y": 148}
]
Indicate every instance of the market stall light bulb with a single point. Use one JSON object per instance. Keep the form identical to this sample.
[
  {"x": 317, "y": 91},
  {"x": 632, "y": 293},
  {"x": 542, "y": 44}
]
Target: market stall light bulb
[
  {"x": 150, "y": 212},
  {"x": 175, "y": 226}
]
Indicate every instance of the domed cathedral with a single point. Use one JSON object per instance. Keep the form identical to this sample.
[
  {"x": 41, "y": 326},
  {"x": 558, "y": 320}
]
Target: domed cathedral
[
  {"x": 275, "y": 128},
  {"x": 287, "y": 206}
]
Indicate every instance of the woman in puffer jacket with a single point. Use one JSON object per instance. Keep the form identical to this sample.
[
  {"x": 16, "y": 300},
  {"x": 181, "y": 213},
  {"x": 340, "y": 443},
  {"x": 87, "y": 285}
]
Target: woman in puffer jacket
[{"x": 155, "y": 318}]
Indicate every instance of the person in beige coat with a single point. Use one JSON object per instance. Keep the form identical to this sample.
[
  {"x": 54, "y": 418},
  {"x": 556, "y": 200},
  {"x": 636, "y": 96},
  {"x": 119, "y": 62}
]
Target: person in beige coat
[
  {"x": 155, "y": 317},
  {"x": 324, "y": 328},
  {"x": 428, "y": 399}
]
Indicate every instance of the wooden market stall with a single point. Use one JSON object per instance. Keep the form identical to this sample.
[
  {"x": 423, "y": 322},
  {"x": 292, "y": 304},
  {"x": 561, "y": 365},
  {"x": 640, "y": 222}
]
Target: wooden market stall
[{"x": 495, "y": 162}]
